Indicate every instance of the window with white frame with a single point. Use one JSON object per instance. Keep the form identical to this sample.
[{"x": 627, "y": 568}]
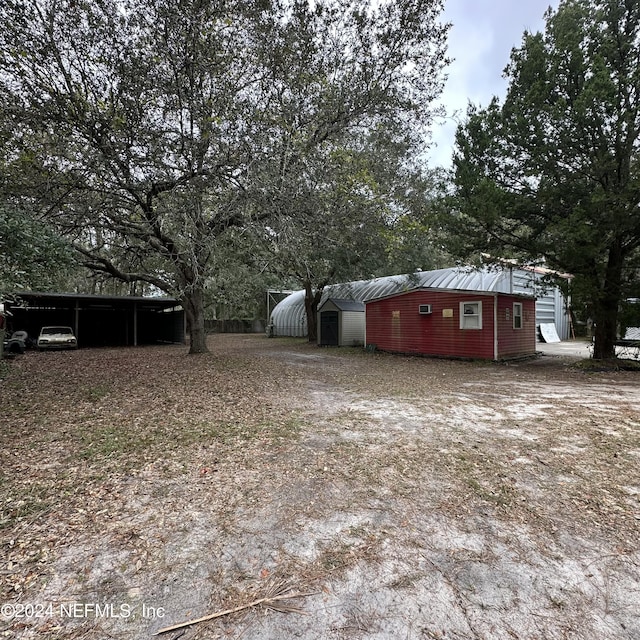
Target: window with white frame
[
  {"x": 471, "y": 315},
  {"x": 517, "y": 315}
]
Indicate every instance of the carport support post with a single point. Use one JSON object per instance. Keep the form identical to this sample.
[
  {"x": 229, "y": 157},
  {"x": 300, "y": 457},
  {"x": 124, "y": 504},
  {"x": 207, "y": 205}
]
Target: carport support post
[
  {"x": 495, "y": 327},
  {"x": 135, "y": 324},
  {"x": 76, "y": 321}
]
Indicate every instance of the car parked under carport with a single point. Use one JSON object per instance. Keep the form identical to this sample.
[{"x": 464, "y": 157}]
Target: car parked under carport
[{"x": 57, "y": 338}]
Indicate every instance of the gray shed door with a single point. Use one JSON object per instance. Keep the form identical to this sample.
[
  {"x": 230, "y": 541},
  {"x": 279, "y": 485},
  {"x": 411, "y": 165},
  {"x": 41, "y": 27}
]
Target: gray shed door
[{"x": 329, "y": 328}]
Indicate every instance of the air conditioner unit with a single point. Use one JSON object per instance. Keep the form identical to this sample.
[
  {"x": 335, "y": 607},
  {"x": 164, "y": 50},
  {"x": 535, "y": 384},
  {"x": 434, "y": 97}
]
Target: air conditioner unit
[{"x": 424, "y": 309}]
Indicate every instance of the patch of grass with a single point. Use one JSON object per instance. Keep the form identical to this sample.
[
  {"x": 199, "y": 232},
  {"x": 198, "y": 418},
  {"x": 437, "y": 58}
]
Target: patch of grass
[
  {"x": 502, "y": 494},
  {"x": 336, "y": 558},
  {"x": 589, "y": 365},
  {"x": 26, "y": 502},
  {"x": 484, "y": 477},
  {"x": 96, "y": 392},
  {"x": 288, "y": 429},
  {"x": 343, "y": 556},
  {"x": 109, "y": 441},
  {"x": 113, "y": 441},
  {"x": 406, "y": 581},
  {"x": 229, "y": 433},
  {"x": 225, "y": 433},
  {"x": 359, "y": 531}
]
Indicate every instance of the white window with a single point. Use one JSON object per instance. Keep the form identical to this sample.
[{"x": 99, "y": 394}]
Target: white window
[
  {"x": 517, "y": 315},
  {"x": 471, "y": 315}
]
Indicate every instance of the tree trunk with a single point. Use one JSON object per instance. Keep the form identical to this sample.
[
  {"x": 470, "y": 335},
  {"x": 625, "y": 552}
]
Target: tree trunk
[
  {"x": 311, "y": 302},
  {"x": 607, "y": 307},
  {"x": 193, "y": 303},
  {"x": 606, "y": 317}
]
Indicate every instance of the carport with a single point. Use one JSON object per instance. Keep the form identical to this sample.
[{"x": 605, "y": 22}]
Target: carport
[{"x": 98, "y": 320}]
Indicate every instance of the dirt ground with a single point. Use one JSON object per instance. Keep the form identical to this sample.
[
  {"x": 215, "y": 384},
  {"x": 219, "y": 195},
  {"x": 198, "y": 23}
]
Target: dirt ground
[{"x": 397, "y": 497}]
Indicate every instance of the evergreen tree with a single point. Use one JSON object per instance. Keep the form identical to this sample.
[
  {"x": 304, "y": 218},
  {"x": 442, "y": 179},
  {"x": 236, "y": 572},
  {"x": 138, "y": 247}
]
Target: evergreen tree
[{"x": 554, "y": 171}]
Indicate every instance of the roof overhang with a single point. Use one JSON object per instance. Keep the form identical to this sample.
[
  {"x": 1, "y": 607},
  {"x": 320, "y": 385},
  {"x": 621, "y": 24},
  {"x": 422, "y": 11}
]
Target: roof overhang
[
  {"x": 467, "y": 292},
  {"x": 40, "y": 299}
]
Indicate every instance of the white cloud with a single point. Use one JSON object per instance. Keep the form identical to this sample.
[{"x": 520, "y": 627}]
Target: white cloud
[{"x": 480, "y": 41}]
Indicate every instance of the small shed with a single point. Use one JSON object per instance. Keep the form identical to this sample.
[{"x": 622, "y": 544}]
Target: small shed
[
  {"x": 341, "y": 323},
  {"x": 459, "y": 324}
]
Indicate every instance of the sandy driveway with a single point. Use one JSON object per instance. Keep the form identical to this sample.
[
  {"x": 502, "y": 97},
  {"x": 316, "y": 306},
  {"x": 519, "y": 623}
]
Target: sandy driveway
[{"x": 408, "y": 497}]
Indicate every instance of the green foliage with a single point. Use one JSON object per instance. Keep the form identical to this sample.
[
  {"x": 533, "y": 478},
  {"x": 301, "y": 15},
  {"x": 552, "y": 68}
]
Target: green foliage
[
  {"x": 151, "y": 128},
  {"x": 414, "y": 240},
  {"x": 242, "y": 271},
  {"x": 331, "y": 221},
  {"x": 32, "y": 256},
  {"x": 554, "y": 171},
  {"x": 629, "y": 315}
]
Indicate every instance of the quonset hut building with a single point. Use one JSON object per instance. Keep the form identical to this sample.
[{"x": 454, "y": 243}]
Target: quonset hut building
[{"x": 288, "y": 318}]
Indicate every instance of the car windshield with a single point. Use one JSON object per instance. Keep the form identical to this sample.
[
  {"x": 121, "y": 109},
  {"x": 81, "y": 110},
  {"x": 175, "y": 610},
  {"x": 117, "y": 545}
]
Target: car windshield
[{"x": 54, "y": 330}]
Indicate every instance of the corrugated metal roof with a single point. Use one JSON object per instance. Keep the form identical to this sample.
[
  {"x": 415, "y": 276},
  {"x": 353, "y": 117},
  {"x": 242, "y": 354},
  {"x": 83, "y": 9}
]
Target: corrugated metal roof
[
  {"x": 289, "y": 319},
  {"x": 345, "y": 305},
  {"x": 632, "y": 333},
  {"x": 39, "y": 296}
]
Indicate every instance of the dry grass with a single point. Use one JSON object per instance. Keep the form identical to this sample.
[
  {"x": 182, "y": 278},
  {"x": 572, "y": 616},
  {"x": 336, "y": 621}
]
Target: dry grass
[{"x": 461, "y": 496}]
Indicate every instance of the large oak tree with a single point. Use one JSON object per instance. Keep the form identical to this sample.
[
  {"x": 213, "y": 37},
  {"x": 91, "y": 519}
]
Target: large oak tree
[
  {"x": 554, "y": 171},
  {"x": 147, "y": 122}
]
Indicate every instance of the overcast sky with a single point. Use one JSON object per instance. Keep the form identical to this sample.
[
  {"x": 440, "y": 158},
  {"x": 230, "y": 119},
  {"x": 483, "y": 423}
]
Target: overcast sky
[{"x": 480, "y": 41}]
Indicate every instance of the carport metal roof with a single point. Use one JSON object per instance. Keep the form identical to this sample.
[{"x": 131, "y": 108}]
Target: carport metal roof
[
  {"x": 87, "y": 300},
  {"x": 101, "y": 319}
]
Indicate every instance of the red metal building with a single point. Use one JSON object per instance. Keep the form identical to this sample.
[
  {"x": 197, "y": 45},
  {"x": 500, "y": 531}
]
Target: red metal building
[{"x": 449, "y": 323}]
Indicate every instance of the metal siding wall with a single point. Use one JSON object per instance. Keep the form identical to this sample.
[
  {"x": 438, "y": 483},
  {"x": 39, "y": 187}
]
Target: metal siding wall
[
  {"x": 288, "y": 317},
  {"x": 563, "y": 324},
  {"x": 551, "y": 307},
  {"x": 516, "y": 342},
  {"x": 550, "y": 303},
  {"x": 352, "y": 328},
  {"x": 434, "y": 334}
]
